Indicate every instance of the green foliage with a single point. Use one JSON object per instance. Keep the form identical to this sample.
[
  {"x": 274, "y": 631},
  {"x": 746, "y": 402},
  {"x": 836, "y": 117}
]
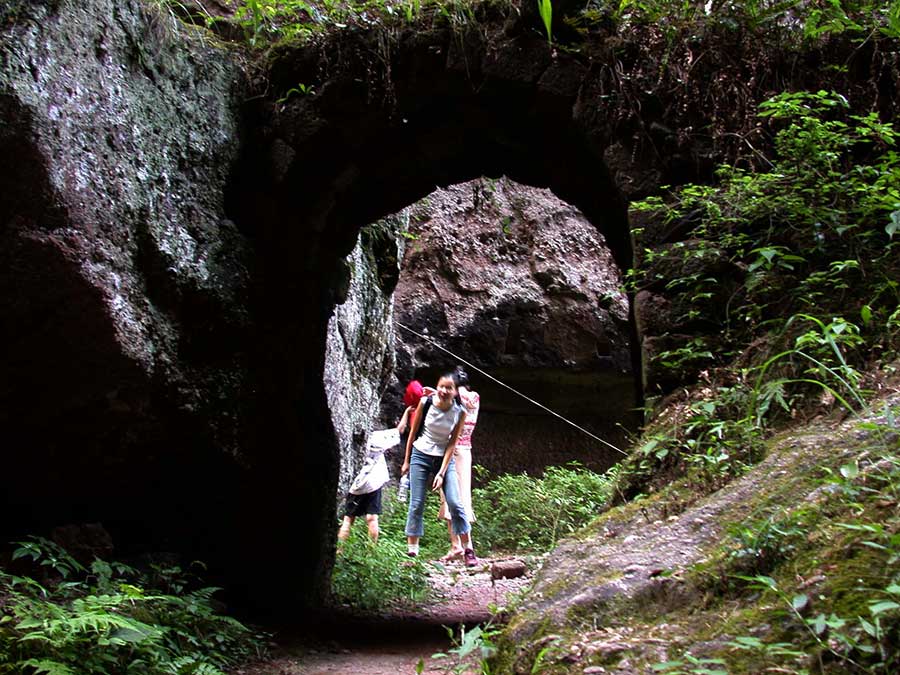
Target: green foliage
[
  {"x": 822, "y": 350},
  {"x": 474, "y": 645},
  {"x": 812, "y": 234},
  {"x": 372, "y": 576},
  {"x": 760, "y": 545},
  {"x": 300, "y": 90},
  {"x": 264, "y": 22},
  {"x": 369, "y": 576},
  {"x": 522, "y": 513},
  {"x": 545, "y": 8},
  {"x": 807, "y": 21},
  {"x": 691, "y": 355},
  {"x": 858, "y": 642},
  {"x": 709, "y": 440},
  {"x": 811, "y": 300},
  {"x": 109, "y": 620},
  {"x": 689, "y": 664},
  {"x": 48, "y": 554},
  {"x": 823, "y": 576},
  {"x": 832, "y": 189}
]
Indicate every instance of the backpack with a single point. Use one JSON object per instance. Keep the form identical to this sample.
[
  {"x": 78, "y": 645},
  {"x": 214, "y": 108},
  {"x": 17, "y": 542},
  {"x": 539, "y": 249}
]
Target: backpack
[
  {"x": 374, "y": 471},
  {"x": 425, "y": 407}
]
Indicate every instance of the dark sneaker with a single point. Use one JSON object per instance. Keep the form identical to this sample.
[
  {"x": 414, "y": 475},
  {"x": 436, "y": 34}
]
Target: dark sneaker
[
  {"x": 412, "y": 554},
  {"x": 469, "y": 557}
]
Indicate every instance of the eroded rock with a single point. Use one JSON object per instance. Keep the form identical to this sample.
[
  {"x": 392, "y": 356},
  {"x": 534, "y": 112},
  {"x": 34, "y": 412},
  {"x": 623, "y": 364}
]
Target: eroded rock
[{"x": 521, "y": 285}]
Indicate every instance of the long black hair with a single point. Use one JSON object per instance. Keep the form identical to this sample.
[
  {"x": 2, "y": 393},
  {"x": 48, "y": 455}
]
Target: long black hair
[{"x": 461, "y": 377}]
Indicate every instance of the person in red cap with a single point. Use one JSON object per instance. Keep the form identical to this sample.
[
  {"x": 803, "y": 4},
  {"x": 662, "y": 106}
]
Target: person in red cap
[{"x": 411, "y": 397}]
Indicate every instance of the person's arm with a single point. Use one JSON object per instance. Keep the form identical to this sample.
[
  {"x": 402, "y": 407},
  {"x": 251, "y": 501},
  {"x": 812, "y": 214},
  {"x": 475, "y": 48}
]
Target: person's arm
[
  {"x": 414, "y": 427},
  {"x": 404, "y": 420},
  {"x": 448, "y": 453}
]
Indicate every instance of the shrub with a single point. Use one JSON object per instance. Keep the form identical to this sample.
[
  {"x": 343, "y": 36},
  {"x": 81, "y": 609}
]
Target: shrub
[
  {"x": 523, "y": 513},
  {"x": 372, "y": 576}
]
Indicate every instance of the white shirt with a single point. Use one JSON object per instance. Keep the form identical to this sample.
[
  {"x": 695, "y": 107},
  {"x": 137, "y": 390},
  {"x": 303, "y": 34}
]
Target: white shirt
[{"x": 439, "y": 425}]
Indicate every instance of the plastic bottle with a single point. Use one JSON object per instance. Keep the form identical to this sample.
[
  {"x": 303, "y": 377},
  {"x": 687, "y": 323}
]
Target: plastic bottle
[{"x": 403, "y": 490}]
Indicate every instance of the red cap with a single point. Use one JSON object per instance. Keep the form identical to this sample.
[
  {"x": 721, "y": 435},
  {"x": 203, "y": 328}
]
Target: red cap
[{"x": 413, "y": 394}]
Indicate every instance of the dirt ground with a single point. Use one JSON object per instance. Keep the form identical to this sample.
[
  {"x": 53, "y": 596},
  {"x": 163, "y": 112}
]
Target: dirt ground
[{"x": 396, "y": 641}]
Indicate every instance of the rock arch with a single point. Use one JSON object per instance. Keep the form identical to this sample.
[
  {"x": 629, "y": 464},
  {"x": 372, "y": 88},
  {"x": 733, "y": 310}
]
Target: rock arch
[
  {"x": 228, "y": 278},
  {"x": 211, "y": 218},
  {"x": 317, "y": 167}
]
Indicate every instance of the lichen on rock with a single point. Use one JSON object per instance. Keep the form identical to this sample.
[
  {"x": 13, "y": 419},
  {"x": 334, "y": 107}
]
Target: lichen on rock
[
  {"x": 125, "y": 285},
  {"x": 359, "y": 357}
]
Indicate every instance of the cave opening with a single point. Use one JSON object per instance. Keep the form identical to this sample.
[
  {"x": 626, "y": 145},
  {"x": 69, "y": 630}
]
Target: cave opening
[
  {"x": 214, "y": 426},
  {"x": 307, "y": 193},
  {"x": 521, "y": 286},
  {"x": 506, "y": 279}
]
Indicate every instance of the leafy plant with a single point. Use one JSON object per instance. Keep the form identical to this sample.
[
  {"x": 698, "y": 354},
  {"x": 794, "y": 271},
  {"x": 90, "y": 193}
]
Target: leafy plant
[
  {"x": 689, "y": 664},
  {"x": 760, "y": 545},
  {"x": 300, "y": 90},
  {"x": 857, "y": 635},
  {"x": 524, "y": 513},
  {"x": 545, "y": 8},
  {"x": 710, "y": 440},
  {"x": 109, "y": 620},
  {"x": 371, "y": 576},
  {"x": 694, "y": 353},
  {"x": 471, "y": 645},
  {"x": 827, "y": 367}
]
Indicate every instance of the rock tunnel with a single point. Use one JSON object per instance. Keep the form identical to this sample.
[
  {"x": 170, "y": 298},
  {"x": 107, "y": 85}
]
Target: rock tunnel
[
  {"x": 324, "y": 166},
  {"x": 173, "y": 245}
]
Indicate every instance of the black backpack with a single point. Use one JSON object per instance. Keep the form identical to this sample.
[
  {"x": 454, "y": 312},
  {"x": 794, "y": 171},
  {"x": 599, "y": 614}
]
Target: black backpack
[{"x": 425, "y": 407}]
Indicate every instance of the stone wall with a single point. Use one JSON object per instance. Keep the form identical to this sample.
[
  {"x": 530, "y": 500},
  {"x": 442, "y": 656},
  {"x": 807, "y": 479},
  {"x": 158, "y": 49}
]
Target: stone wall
[
  {"x": 125, "y": 287},
  {"x": 359, "y": 356}
]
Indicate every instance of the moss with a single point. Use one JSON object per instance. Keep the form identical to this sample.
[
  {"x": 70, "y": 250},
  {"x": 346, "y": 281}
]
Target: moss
[
  {"x": 512, "y": 648},
  {"x": 799, "y": 520},
  {"x": 557, "y": 586},
  {"x": 670, "y": 501}
]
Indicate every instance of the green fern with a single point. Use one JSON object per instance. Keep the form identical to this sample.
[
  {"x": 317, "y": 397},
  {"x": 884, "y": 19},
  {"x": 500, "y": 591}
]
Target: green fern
[
  {"x": 47, "y": 666},
  {"x": 111, "y": 621}
]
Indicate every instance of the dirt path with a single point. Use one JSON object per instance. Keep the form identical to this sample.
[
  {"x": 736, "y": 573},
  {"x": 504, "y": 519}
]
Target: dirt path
[{"x": 394, "y": 642}]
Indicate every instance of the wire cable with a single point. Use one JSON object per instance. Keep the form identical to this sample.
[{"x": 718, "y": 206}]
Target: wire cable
[{"x": 518, "y": 393}]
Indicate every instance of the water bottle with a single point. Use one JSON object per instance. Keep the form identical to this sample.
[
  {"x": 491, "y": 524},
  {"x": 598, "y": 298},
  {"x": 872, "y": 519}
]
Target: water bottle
[{"x": 403, "y": 490}]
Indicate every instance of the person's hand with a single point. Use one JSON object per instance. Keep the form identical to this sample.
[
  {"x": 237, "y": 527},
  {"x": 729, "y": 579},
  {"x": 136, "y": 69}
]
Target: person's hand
[
  {"x": 428, "y": 391},
  {"x": 404, "y": 469},
  {"x": 402, "y": 426},
  {"x": 437, "y": 483}
]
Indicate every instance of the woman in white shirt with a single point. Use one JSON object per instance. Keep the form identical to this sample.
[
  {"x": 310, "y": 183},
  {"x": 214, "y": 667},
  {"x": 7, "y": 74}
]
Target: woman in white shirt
[
  {"x": 429, "y": 462},
  {"x": 462, "y": 458}
]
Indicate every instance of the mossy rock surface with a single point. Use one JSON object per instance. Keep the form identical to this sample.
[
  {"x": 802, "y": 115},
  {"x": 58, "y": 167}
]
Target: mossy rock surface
[{"x": 633, "y": 590}]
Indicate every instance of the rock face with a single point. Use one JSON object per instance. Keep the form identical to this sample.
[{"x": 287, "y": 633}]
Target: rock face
[
  {"x": 359, "y": 357},
  {"x": 124, "y": 286},
  {"x": 519, "y": 284},
  {"x": 172, "y": 247}
]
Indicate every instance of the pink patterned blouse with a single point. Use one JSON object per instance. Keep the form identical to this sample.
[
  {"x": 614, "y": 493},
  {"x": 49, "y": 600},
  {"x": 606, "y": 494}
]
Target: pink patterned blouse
[{"x": 472, "y": 402}]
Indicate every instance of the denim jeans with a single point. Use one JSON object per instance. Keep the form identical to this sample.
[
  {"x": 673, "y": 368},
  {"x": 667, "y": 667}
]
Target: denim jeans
[{"x": 422, "y": 470}]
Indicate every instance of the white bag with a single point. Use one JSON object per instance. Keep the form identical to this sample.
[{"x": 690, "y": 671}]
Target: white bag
[
  {"x": 382, "y": 440},
  {"x": 374, "y": 472}
]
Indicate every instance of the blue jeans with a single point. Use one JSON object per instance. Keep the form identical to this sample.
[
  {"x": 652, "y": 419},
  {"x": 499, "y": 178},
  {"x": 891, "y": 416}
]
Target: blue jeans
[{"x": 422, "y": 470}]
